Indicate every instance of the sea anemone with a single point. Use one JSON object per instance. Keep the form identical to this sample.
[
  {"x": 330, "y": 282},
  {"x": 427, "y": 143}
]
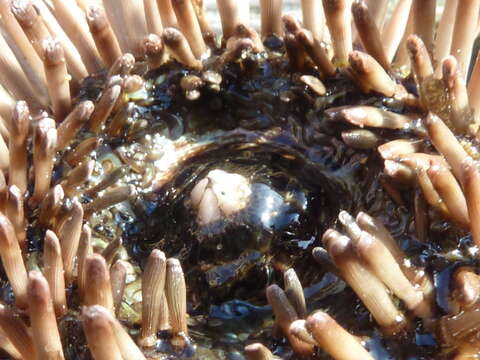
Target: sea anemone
[{"x": 137, "y": 145}]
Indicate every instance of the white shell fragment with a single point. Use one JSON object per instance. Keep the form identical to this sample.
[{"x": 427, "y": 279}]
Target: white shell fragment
[{"x": 220, "y": 194}]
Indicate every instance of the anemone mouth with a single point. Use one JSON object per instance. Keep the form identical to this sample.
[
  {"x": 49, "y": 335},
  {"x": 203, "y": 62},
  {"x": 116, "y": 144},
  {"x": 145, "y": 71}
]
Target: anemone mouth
[{"x": 283, "y": 210}]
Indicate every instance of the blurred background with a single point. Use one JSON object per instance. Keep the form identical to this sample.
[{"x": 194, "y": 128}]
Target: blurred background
[{"x": 289, "y": 7}]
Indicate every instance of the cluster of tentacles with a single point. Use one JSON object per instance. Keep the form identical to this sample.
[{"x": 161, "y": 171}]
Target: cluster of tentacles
[
  {"x": 440, "y": 161},
  {"x": 52, "y": 189}
]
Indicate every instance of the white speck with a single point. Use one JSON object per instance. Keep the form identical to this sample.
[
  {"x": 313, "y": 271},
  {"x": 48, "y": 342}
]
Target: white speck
[{"x": 473, "y": 250}]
